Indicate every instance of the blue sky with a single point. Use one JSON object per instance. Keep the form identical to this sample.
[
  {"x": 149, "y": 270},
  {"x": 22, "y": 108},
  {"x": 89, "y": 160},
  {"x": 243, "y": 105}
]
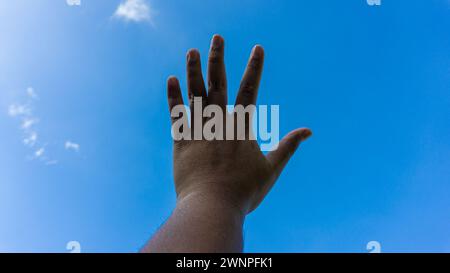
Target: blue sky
[{"x": 371, "y": 81}]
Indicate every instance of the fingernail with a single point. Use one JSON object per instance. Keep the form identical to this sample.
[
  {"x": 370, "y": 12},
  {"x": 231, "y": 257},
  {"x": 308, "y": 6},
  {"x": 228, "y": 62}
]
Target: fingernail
[
  {"x": 305, "y": 134},
  {"x": 172, "y": 80},
  {"x": 217, "y": 41},
  {"x": 192, "y": 55},
  {"x": 257, "y": 51}
]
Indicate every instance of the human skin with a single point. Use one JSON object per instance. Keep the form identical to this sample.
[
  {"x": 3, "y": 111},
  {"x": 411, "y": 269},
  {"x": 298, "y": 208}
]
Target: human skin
[{"x": 218, "y": 182}]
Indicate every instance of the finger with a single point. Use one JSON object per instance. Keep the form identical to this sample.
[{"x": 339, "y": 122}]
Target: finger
[
  {"x": 248, "y": 90},
  {"x": 217, "y": 82},
  {"x": 174, "y": 95},
  {"x": 196, "y": 85},
  {"x": 286, "y": 148},
  {"x": 196, "y": 90}
]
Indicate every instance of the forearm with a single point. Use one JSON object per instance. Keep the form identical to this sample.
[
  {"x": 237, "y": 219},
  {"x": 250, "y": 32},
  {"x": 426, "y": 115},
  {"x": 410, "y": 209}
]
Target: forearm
[{"x": 200, "y": 223}]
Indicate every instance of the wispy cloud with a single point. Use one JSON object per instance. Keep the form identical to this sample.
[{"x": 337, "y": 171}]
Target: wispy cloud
[
  {"x": 19, "y": 110},
  {"x": 73, "y": 2},
  {"x": 69, "y": 145},
  {"x": 51, "y": 162},
  {"x": 28, "y": 126},
  {"x": 25, "y": 113},
  {"x": 39, "y": 152},
  {"x": 31, "y": 93},
  {"x": 134, "y": 11},
  {"x": 31, "y": 139},
  {"x": 28, "y": 122}
]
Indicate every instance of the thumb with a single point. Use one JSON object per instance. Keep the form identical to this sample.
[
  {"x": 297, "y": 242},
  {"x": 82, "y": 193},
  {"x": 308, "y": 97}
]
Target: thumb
[{"x": 288, "y": 145}]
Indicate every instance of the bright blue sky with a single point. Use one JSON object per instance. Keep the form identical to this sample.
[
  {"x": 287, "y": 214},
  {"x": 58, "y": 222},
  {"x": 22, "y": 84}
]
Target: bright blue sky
[{"x": 372, "y": 82}]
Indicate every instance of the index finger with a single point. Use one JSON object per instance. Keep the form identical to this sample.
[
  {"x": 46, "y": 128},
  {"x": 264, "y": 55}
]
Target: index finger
[{"x": 248, "y": 90}]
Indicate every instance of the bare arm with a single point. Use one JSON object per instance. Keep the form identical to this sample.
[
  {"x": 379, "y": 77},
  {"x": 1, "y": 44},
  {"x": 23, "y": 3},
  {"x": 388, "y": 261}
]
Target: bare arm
[
  {"x": 200, "y": 223},
  {"x": 218, "y": 182}
]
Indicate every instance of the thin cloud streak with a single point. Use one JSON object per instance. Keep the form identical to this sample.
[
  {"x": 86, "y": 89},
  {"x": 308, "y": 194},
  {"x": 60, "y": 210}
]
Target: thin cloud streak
[
  {"x": 30, "y": 133},
  {"x": 69, "y": 145},
  {"x": 27, "y": 126}
]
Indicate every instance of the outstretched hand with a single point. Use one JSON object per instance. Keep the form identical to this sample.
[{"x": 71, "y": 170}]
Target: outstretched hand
[
  {"x": 231, "y": 171},
  {"x": 218, "y": 182}
]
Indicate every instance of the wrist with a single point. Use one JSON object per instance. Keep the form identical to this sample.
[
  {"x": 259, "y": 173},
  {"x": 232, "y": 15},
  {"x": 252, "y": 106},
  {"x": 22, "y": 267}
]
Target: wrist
[{"x": 211, "y": 202}]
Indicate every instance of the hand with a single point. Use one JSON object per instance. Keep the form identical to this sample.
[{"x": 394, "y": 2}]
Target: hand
[
  {"x": 218, "y": 182},
  {"x": 234, "y": 173}
]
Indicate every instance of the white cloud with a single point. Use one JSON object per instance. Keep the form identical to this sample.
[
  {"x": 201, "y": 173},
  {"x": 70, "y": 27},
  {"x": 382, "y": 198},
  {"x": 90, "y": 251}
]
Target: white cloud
[
  {"x": 51, "y": 162},
  {"x": 134, "y": 10},
  {"x": 40, "y": 152},
  {"x": 72, "y": 146},
  {"x": 73, "y": 2},
  {"x": 28, "y": 122},
  {"x": 31, "y": 93},
  {"x": 31, "y": 139},
  {"x": 38, "y": 149},
  {"x": 19, "y": 110}
]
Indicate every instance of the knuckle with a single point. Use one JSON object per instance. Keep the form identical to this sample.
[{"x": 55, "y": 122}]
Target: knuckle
[
  {"x": 216, "y": 85},
  {"x": 192, "y": 63},
  {"x": 256, "y": 63},
  {"x": 193, "y": 74},
  {"x": 215, "y": 57},
  {"x": 290, "y": 147},
  {"x": 247, "y": 90}
]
